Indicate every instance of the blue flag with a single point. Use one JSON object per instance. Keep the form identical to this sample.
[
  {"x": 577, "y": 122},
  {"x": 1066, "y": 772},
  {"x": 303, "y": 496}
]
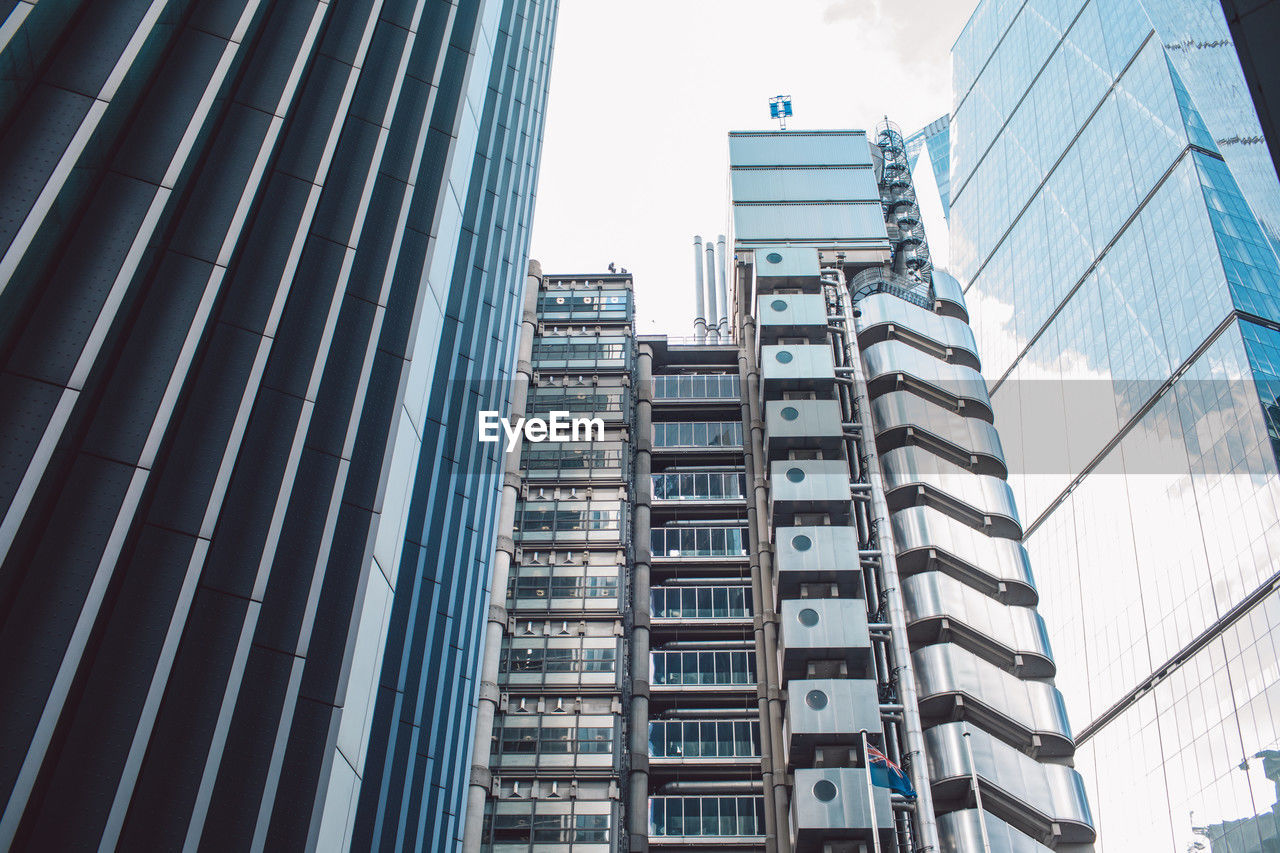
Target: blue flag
[{"x": 886, "y": 774}]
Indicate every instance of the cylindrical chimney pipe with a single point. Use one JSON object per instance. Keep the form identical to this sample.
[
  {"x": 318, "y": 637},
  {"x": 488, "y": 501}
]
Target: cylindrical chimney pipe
[
  {"x": 713, "y": 316},
  {"x": 700, "y": 319},
  {"x": 721, "y": 274}
]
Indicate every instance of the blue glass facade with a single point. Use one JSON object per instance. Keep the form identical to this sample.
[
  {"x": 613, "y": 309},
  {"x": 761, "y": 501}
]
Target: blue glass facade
[
  {"x": 1112, "y": 222},
  {"x": 936, "y": 137}
]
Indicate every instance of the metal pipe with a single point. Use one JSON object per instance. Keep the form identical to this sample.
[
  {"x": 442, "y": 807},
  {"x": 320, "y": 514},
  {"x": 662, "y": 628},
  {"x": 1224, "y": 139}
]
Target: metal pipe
[
  {"x": 700, "y": 319},
  {"x": 487, "y": 702},
  {"x": 723, "y": 325},
  {"x": 713, "y": 314}
]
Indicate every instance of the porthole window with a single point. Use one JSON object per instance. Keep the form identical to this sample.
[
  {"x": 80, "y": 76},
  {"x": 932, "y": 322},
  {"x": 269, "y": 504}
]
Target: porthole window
[
  {"x": 784, "y": 357},
  {"x": 795, "y": 475},
  {"x": 773, "y": 258},
  {"x": 808, "y": 617},
  {"x": 790, "y": 413},
  {"x": 816, "y": 699},
  {"x": 778, "y": 305},
  {"x": 824, "y": 790},
  {"x": 802, "y": 543}
]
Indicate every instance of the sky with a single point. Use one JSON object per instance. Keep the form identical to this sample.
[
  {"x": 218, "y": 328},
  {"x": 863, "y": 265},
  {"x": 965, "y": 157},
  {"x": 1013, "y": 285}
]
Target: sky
[{"x": 634, "y": 158}]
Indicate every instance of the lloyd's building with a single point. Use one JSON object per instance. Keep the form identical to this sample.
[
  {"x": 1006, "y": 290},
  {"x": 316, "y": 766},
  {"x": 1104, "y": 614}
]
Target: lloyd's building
[{"x": 784, "y": 605}]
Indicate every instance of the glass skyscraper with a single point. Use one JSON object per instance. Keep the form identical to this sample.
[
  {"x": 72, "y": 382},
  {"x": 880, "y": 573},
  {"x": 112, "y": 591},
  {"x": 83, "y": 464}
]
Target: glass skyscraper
[
  {"x": 261, "y": 264},
  {"x": 1113, "y": 217}
]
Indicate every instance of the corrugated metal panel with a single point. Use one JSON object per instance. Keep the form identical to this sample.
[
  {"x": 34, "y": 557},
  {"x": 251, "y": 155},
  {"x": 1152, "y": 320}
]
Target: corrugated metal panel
[
  {"x": 809, "y": 222},
  {"x": 843, "y": 184},
  {"x": 799, "y": 148}
]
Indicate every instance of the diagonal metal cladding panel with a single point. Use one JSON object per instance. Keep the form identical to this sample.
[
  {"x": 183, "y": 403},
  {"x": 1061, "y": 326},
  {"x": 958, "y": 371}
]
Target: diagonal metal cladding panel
[
  {"x": 941, "y": 609},
  {"x": 893, "y": 364},
  {"x": 955, "y": 683},
  {"x": 915, "y": 477},
  {"x": 885, "y": 317},
  {"x": 904, "y": 419},
  {"x": 929, "y": 540},
  {"x": 1027, "y": 794},
  {"x": 970, "y": 830}
]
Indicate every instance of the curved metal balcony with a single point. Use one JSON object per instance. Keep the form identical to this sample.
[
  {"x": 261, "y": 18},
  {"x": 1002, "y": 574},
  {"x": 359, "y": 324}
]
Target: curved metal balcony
[
  {"x": 915, "y": 477},
  {"x": 941, "y": 609},
  {"x": 1050, "y": 803},
  {"x": 949, "y": 296},
  {"x": 894, "y": 365},
  {"x": 885, "y": 318},
  {"x": 928, "y": 540},
  {"x": 902, "y": 419},
  {"x": 955, "y": 684},
  {"x": 967, "y": 830}
]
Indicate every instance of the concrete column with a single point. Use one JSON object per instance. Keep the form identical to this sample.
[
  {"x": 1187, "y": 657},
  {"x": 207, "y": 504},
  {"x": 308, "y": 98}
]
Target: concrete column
[
  {"x": 487, "y": 706},
  {"x": 766, "y": 618},
  {"x": 638, "y": 808}
]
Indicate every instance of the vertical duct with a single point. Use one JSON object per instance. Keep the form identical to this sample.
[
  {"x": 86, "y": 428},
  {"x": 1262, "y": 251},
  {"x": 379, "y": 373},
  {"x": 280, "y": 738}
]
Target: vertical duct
[
  {"x": 723, "y": 324},
  {"x": 700, "y": 319},
  {"x": 713, "y": 313}
]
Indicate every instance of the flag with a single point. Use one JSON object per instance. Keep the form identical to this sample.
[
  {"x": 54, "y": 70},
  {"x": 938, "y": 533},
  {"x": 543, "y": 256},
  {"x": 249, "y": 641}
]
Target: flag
[{"x": 886, "y": 774}]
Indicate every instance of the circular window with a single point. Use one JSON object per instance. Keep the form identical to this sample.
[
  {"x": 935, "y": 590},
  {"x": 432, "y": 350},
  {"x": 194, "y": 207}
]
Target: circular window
[
  {"x": 778, "y": 305},
  {"x": 790, "y": 413},
  {"x": 816, "y": 699},
  {"x": 802, "y": 543},
  {"x": 808, "y": 617},
  {"x": 773, "y": 258},
  {"x": 795, "y": 475},
  {"x": 784, "y": 356},
  {"x": 825, "y": 791}
]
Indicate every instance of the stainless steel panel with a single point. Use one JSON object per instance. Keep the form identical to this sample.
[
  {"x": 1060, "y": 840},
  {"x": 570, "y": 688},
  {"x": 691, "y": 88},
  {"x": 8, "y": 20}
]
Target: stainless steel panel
[
  {"x": 890, "y": 362},
  {"x": 948, "y": 295},
  {"x": 809, "y": 485},
  {"x": 836, "y": 804},
  {"x": 824, "y": 633},
  {"x": 1023, "y": 791},
  {"x": 796, "y": 367},
  {"x": 1012, "y": 636},
  {"x": 787, "y": 266},
  {"x": 1014, "y": 709},
  {"x": 929, "y": 540},
  {"x": 892, "y": 414},
  {"x": 828, "y": 712},
  {"x": 949, "y": 487},
  {"x": 881, "y": 310},
  {"x": 966, "y": 830},
  {"x": 791, "y": 315},
  {"x": 817, "y": 554},
  {"x": 802, "y": 424}
]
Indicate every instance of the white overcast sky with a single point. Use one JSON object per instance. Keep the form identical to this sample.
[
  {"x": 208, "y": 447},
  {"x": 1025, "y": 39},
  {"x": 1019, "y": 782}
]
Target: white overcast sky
[{"x": 634, "y": 159}]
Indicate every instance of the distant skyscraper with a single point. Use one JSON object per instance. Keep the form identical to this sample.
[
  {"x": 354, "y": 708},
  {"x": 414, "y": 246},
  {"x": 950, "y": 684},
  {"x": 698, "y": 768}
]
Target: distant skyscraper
[
  {"x": 1113, "y": 217},
  {"x": 260, "y": 266},
  {"x": 936, "y": 138},
  {"x": 1255, "y": 31},
  {"x": 790, "y": 565}
]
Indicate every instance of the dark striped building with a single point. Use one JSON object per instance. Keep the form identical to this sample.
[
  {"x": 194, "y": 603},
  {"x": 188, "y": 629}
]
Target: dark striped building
[{"x": 261, "y": 264}]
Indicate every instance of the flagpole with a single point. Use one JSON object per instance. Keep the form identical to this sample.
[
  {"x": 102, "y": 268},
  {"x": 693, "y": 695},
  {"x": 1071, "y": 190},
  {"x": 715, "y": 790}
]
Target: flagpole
[
  {"x": 977, "y": 792},
  {"x": 871, "y": 794}
]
